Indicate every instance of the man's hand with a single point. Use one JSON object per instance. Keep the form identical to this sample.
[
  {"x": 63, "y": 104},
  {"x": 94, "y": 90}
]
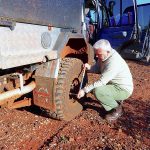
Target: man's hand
[
  {"x": 87, "y": 66},
  {"x": 81, "y": 93}
]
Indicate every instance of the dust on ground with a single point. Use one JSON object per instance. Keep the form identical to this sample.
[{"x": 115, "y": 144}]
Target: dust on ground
[{"x": 28, "y": 128}]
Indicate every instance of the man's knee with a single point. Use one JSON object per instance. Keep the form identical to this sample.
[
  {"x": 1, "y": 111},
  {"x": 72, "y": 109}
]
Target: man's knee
[{"x": 100, "y": 93}]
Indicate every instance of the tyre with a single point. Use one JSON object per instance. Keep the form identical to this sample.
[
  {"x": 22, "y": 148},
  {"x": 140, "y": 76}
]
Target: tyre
[
  {"x": 67, "y": 87},
  {"x": 130, "y": 50}
]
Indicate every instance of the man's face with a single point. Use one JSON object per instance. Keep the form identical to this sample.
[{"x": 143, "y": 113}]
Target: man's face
[{"x": 101, "y": 54}]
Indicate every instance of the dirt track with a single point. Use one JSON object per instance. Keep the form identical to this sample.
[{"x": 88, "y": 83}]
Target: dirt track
[{"x": 27, "y": 128}]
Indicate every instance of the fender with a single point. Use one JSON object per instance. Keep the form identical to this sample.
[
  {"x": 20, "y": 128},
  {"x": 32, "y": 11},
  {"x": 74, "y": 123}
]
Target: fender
[{"x": 71, "y": 45}]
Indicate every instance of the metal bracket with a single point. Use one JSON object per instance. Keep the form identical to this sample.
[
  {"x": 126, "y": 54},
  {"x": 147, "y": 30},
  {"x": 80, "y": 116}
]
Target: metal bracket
[
  {"x": 7, "y": 23},
  {"x": 20, "y": 79}
]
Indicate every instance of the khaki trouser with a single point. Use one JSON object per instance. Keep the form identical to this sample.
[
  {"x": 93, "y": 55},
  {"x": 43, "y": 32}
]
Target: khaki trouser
[{"x": 108, "y": 95}]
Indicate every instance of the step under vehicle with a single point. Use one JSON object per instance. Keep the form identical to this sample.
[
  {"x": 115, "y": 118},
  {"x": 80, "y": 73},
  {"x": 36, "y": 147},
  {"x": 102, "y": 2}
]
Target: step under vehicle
[
  {"x": 125, "y": 23},
  {"x": 42, "y": 49}
]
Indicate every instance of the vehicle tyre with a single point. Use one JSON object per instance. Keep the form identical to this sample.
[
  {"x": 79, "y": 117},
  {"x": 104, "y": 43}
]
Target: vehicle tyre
[
  {"x": 130, "y": 50},
  {"x": 68, "y": 83}
]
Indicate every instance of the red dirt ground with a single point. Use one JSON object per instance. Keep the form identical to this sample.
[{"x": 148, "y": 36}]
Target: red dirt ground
[{"x": 27, "y": 128}]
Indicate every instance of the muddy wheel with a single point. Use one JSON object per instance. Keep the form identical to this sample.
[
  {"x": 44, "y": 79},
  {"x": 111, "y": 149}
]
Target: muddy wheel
[
  {"x": 130, "y": 49},
  {"x": 68, "y": 83}
]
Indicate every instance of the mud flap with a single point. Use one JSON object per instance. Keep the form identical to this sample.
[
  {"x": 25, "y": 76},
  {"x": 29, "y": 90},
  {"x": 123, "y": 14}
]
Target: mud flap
[
  {"x": 45, "y": 78},
  {"x": 43, "y": 93}
]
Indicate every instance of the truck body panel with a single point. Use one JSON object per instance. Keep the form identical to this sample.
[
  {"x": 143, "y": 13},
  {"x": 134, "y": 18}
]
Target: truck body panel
[
  {"x": 27, "y": 44},
  {"x": 58, "y": 13}
]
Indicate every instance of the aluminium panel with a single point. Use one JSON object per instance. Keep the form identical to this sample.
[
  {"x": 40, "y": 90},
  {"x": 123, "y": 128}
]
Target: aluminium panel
[{"x": 59, "y": 13}]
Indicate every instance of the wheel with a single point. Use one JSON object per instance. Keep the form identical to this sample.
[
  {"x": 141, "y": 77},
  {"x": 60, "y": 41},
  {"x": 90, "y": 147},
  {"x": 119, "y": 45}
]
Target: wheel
[
  {"x": 67, "y": 87},
  {"x": 130, "y": 50},
  {"x": 128, "y": 53}
]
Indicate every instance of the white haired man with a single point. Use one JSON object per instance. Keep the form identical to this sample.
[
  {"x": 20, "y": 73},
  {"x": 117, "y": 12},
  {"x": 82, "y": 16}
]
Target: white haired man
[{"x": 115, "y": 83}]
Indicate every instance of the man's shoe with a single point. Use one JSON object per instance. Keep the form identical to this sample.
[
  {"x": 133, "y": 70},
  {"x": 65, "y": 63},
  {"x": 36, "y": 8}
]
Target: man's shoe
[{"x": 115, "y": 114}]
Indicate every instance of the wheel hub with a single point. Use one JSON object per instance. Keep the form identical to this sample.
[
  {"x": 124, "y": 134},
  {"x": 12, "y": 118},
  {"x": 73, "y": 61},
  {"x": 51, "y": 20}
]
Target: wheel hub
[{"x": 74, "y": 88}]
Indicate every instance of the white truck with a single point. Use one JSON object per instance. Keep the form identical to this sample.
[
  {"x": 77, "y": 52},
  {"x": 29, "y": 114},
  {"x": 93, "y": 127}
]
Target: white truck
[{"x": 42, "y": 49}]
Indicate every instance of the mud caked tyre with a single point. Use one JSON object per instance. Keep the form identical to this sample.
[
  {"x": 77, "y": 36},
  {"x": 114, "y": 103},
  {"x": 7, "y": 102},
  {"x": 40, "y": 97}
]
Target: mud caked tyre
[{"x": 68, "y": 83}]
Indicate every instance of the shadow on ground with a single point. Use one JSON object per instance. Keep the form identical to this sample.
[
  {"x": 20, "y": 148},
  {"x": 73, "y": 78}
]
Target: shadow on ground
[{"x": 136, "y": 119}]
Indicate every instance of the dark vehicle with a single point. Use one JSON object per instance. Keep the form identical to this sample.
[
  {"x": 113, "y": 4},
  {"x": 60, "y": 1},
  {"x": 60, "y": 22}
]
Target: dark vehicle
[
  {"x": 42, "y": 49},
  {"x": 126, "y": 24}
]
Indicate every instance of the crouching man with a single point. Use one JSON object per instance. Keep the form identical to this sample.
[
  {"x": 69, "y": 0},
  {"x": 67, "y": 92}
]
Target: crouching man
[{"x": 115, "y": 83}]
